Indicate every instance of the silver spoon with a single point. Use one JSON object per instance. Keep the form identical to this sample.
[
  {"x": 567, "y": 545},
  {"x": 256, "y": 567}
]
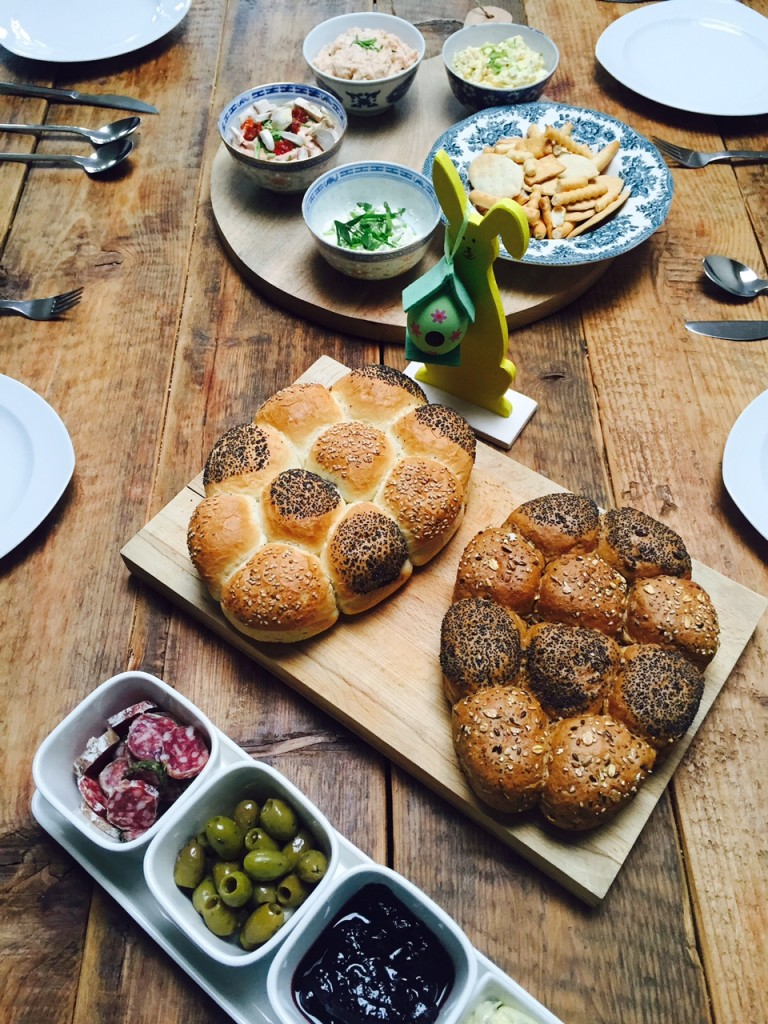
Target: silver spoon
[
  {"x": 734, "y": 277},
  {"x": 104, "y": 159},
  {"x": 97, "y": 136}
]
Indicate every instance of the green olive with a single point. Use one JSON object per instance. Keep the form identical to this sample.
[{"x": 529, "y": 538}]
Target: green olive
[
  {"x": 202, "y": 839},
  {"x": 221, "y": 868},
  {"x": 204, "y": 891},
  {"x": 218, "y": 917},
  {"x": 189, "y": 868},
  {"x": 279, "y": 819},
  {"x": 263, "y": 893},
  {"x": 291, "y": 891},
  {"x": 265, "y": 865},
  {"x": 235, "y": 888},
  {"x": 257, "y": 839},
  {"x": 246, "y": 814},
  {"x": 301, "y": 842},
  {"x": 225, "y": 836},
  {"x": 312, "y": 866},
  {"x": 262, "y": 925}
]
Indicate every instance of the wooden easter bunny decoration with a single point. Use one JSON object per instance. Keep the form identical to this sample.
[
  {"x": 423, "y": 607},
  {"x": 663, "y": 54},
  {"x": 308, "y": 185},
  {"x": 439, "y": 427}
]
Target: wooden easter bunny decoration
[{"x": 485, "y": 374}]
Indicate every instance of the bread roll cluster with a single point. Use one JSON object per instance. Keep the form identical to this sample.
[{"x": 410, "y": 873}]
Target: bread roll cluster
[
  {"x": 573, "y": 657},
  {"x": 326, "y": 501}
]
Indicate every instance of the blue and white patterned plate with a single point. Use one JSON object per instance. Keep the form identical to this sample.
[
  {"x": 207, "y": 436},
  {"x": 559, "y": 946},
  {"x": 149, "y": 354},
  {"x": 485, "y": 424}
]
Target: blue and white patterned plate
[{"x": 638, "y": 162}]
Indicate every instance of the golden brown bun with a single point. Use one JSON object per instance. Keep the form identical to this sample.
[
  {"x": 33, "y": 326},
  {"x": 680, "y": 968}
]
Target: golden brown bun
[
  {"x": 674, "y": 613},
  {"x": 300, "y": 412},
  {"x": 281, "y": 594},
  {"x": 377, "y": 394},
  {"x": 557, "y": 523},
  {"x": 501, "y": 739},
  {"x": 438, "y": 432},
  {"x": 223, "y": 532},
  {"x": 638, "y": 545},
  {"x": 354, "y": 456},
  {"x": 597, "y": 767},
  {"x": 501, "y": 566},
  {"x": 427, "y": 502},
  {"x": 569, "y": 669},
  {"x": 245, "y": 458},
  {"x": 300, "y": 506},
  {"x": 582, "y": 590},
  {"x": 366, "y": 558},
  {"x": 657, "y": 693},
  {"x": 480, "y": 645}
]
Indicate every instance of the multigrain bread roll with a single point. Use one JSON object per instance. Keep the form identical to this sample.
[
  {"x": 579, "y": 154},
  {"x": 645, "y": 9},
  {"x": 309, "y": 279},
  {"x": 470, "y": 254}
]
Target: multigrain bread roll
[
  {"x": 301, "y": 507},
  {"x": 437, "y": 432},
  {"x": 597, "y": 766},
  {"x": 637, "y": 545},
  {"x": 377, "y": 394},
  {"x": 245, "y": 459},
  {"x": 500, "y": 566},
  {"x": 300, "y": 412},
  {"x": 355, "y": 457},
  {"x": 502, "y": 743},
  {"x": 480, "y": 645},
  {"x": 582, "y": 590},
  {"x": 427, "y": 501},
  {"x": 224, "y": 532},
  {"x": 674, "y": 613},
  {"x": 557, "y": 523},
  {"x": 569, "y": 669}
]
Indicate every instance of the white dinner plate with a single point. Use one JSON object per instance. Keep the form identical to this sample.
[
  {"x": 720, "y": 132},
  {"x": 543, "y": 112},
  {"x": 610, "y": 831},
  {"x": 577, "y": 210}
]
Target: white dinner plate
[
  {"x": 37, "y": 457},
  {"x": 638, "y": 162},
  {"x": 745, "y": 463},
  {"x": 703, "y": 56},
  {"x": 75, "y": 30}
]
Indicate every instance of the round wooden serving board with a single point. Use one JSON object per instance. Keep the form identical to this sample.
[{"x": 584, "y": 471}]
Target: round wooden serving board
[{"x": 265, "y": 236}]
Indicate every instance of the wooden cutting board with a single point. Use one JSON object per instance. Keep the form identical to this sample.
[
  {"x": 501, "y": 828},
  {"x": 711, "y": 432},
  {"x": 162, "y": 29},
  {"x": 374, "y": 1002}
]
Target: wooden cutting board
[
  {"x": 265, "y": 236},
  {"x": 378, "y": 673}
]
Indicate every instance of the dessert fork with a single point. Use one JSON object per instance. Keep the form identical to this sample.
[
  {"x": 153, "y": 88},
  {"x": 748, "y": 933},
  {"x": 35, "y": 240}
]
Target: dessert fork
[
  {"x": 693, "y": 158},
  {"x": 42, "y": 309}
]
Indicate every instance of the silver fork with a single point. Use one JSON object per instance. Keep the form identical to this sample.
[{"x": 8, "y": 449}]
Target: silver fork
[
  {"x": 42, "y": 309},
  {"x": 692, "y": 158}
]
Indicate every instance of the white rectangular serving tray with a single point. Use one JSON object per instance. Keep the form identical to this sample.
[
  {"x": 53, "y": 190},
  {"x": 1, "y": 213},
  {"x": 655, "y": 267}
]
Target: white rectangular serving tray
[{"x": 241, "y": 992}]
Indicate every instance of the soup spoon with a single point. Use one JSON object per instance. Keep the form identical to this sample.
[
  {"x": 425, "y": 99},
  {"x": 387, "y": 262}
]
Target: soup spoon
[
  {"x": 97, "y": 136},
  {"x": 104, "y": 159},
  {"x": 734, "y": 277}
]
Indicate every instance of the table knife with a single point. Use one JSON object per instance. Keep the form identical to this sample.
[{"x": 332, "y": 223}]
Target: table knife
[
  {"x": 730, "y": 330},
  {"x": 72, "y": 96}
]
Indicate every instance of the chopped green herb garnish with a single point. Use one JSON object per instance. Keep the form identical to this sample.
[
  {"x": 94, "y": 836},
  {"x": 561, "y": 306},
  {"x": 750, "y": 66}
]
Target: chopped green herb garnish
[
  {"x": 368, "y": 230},
  {"x": 368, "y": 44}
]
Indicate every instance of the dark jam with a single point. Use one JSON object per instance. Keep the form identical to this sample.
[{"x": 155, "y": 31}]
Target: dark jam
[{"x": 376, "y": 962}]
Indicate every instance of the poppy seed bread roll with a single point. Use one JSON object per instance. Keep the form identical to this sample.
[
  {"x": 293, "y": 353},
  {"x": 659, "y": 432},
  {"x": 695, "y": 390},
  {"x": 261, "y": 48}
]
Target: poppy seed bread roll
[
  {"x": 637, "y": 545},
  {"x": 438, "y": 432},
  {"x": 223, "y": 532},
  {"x": 354, "y": 456},
  {"x": 245, "y": 458},
  {"x": 500, "y": 566},
  {"x": 675, "y": 613},
  {"x": 480, "y": 645},
  {"x": 426, "y": 500},
  {"x": 582, "y": 590},
  {"x": 300, "y": 412},
  {"x": 301, "y": 507},
  {"x": 377, "y": 394},
  {"x": 596, "y": 768},
  {"x": 569, "y": 669},
  {"x": 558, "y": 523}
]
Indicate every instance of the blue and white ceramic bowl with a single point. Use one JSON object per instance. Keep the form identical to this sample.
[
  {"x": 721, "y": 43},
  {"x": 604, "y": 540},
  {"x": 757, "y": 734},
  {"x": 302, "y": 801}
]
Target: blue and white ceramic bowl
[
  {"x": 365, "y": 98},
  {"x": 336, "y": 193},
  {"x": 637, "y": 162},
  {"x": 477, "y": 96},
  {"x": 283, "y": 176}
]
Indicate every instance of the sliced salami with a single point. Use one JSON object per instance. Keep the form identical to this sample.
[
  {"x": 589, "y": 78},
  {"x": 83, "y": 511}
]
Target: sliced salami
[
  {"x": 97, "y": 750},
  {"x": 113, "y": 773},
  {"x": 122, "y": 718},
  {"x": 133, "y": 805},
  {"x": 185, "y": 753},
  {"x": 93, "y": 794},
  {"x": 147, "y": 735},
  {"x": 101, "y": 823}
]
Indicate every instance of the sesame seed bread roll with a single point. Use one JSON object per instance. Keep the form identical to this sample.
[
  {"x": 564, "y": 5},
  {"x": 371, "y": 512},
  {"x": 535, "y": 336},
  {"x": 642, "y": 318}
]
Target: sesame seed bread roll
[
  {"x": 637, "y": 545},
  {"x": 354, "y": 456},
  {"x": 480, "y": 645},
  {"x": 377, "y": 394},
  {"x": 438, "y": 432},
  {"x": 557, "y": 523},
  {"x": 245, "y": 458},
  {"x": 366, "y": 558},
  {"x": 300, "y": 412},
  {"x": 224, "y": 531},
  {"x": 501, "y": 566},
  {"x": 501, "y": 739},
  {"x": 280, "y": 595},
  {"x": 301, "y": 507},
  {"x": 674, "y": 613},
  {"x": 657, "y": 694},
  {"x": 597, "y": 767},
  {"x": 426, "y": 500},
  {"x": 569, "y": 669},
  {"x": 582, "y": 590}
]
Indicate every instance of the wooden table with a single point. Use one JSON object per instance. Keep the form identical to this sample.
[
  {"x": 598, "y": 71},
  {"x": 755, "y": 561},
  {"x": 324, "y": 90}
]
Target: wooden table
[{"x": 170, "y": 346}]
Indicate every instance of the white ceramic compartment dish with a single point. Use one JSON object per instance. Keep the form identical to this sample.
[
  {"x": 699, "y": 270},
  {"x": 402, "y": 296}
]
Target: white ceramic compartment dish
[
  {"x": 222, "y": 791},
  {"x": 288, "y": 175},
  {"x": 335, "y": 194},
  {"x": 52, "y": 767},
  {"x": 374, "y": 96},
  {"x": 314, "y": 925},
  {"x": 478, "y": 96}
]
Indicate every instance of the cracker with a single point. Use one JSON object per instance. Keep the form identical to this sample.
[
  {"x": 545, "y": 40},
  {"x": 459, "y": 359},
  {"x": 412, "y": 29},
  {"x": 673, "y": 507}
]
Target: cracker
[{"x": 495, "y": 174}]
